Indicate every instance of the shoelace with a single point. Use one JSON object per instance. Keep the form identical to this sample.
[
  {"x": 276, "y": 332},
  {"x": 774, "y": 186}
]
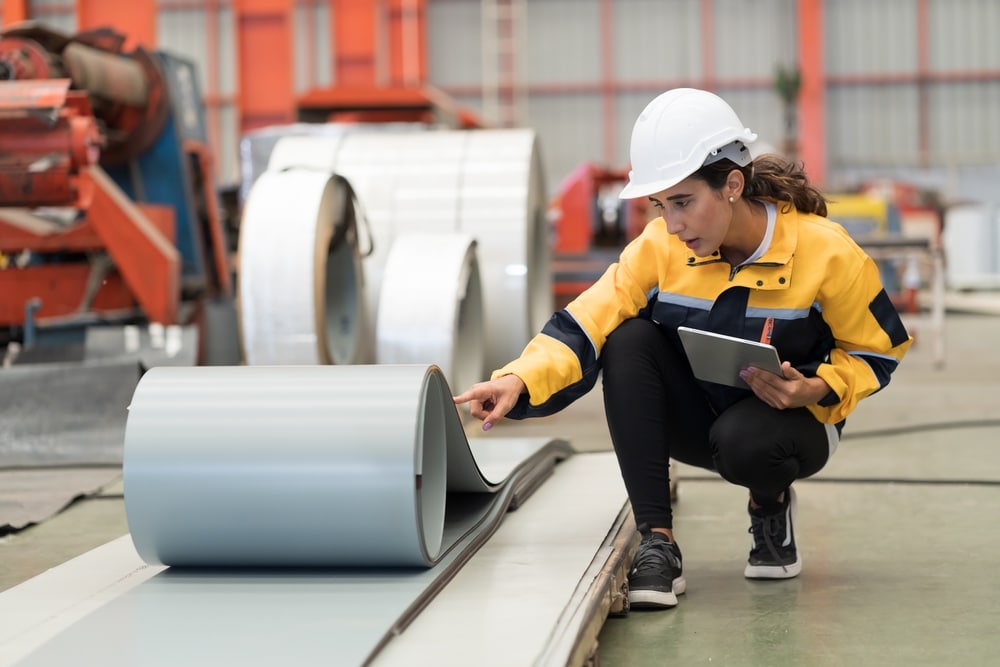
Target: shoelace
[
  {"x": 768, "y": 526},
  {"x": 651, "y": 556}
]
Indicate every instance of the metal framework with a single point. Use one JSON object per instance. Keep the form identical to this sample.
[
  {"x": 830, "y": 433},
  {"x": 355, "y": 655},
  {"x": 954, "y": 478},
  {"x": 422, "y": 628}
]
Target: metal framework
[{"x": 383, "y": 43}]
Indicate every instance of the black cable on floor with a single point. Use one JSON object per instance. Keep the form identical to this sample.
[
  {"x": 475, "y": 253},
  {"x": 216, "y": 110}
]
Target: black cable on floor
[
  {"x": 60, "y": 466},
  {"x": 867, "y": 480},
  {"x": 917, "y": 428}
]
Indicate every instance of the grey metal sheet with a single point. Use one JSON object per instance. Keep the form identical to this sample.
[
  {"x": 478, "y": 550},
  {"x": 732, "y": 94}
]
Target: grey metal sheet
[
  {"x": 533, "y": 571},
  {"x": 314, "y": 557},
  {"x": 529, "y": 595}
]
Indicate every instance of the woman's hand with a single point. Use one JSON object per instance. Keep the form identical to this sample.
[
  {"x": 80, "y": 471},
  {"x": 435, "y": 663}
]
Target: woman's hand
[
  {"x": 792, "y": 390},
  {"x": 491, "y": 400}
]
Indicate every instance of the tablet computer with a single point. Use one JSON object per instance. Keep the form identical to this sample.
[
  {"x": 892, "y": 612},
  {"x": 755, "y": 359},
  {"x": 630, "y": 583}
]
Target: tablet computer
[{"x": 720, "y": 358}]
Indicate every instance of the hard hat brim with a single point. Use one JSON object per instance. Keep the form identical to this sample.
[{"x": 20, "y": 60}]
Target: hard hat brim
[{"x": 636, "y": 190}]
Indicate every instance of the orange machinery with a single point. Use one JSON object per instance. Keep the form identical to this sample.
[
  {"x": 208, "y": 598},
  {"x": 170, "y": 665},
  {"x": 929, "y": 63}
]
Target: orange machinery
[
  {"x": 591, "y": 226},
  {"x": 89, "y": 227}
]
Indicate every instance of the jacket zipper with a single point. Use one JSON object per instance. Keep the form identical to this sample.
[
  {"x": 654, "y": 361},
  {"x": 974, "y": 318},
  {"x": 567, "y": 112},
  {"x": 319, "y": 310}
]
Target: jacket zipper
[{"x": 736, "y": 269}]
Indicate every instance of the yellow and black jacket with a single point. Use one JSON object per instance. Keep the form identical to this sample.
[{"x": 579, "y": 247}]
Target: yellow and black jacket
[{"x": 831, "y": 315}]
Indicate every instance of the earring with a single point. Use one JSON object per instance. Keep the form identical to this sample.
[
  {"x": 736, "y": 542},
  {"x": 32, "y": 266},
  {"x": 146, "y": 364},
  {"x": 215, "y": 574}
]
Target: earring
[{"x": 731, "y": 200}]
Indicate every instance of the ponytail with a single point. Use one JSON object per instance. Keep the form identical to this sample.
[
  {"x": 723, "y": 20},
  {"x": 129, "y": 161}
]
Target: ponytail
[{"x": 771, "y": 176}]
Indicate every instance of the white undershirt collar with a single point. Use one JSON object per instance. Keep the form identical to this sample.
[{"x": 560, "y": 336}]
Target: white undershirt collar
[{"x": 765, "y": 243}]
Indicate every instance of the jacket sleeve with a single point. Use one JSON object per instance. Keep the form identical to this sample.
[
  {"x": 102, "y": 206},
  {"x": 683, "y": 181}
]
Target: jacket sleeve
[
  {"x": 562, "y": 363},
  {"x": 870, "y": 341}
]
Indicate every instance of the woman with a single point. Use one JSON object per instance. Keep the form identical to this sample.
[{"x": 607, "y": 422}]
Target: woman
[{"x": 742, "y": 248}]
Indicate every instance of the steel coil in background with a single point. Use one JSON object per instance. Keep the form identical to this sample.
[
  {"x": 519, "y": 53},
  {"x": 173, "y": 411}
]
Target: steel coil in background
[
  {"x": 485, "y": 183},
  {"x": 503, "y": 207},
  {"x": 301, "y": 294},
  {"x": 257, "y": 146},
  {"x": 301, "y": 152},
  {"x": 431, "y": 306}
]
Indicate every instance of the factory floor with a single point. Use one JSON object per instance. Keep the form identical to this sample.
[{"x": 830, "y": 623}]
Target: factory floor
[{"x": 898, "y": 534}]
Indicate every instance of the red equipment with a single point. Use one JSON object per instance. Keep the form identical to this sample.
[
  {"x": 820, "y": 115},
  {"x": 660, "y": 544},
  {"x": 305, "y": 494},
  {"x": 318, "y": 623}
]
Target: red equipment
[
  {"x": 48, "y": 135},
  {"x": 52, "y": 144},
  {"x": 73, "y": 246}
]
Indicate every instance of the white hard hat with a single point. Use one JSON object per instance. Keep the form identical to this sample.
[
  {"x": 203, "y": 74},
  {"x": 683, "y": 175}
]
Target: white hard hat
[{"x": 679, "y": 132}]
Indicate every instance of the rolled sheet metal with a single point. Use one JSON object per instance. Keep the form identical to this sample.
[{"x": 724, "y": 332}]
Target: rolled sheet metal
[
  {"x": 301, "y": 294},
  {"x": 485, "y": 183},
  {"x": 295, "y": 466},
  {"x": 431, "y": 306},
  {"x": 154, "y": 615},
  {"x": 362, "y": 474}
]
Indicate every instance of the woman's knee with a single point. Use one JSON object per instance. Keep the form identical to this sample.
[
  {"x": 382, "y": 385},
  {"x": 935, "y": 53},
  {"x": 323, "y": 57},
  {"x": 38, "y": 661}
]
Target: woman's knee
[
  {"x": 631, "y": 337},
  {"x": 744, "y": 449}
]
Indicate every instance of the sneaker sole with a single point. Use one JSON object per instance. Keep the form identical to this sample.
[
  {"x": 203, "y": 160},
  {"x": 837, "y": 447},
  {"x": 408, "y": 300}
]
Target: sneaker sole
[
  {"x": 773, "y": 571},
  {"x": 649, "y": 599}
]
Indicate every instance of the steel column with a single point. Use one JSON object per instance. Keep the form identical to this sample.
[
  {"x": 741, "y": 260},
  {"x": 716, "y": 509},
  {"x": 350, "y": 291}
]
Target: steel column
[
  {"x": 812, "y": 102},
  {"x": 379, "y": 43},
  {"x": 407, "y": 42},
  {"x": 14, "y": 11},
  {"x": 355, "y": 42},
  {"x": 266, "y": 62}
]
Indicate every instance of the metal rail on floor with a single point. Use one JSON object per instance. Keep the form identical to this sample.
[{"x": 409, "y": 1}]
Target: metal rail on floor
[{"x": 603, "y": 592}]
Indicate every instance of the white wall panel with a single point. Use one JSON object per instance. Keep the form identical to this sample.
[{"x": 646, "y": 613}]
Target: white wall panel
[
  {"x": 872, "y": 125},
  {"x": 751, "y": 38},
  {"x": 183, "y": 32},
  {"x": 569, "y": 127},
  {"x": 228, "y": 74},
  {"x": 963, "y": 34},
  {"x": 863, "y": 36},
  {"x": 563, "y": 42},
  {"x": 965, "y": 123},
  {"x": 454, "y": 42},
  {"x": 656, "y": 40},
  {"x": 57, "y": 15}
]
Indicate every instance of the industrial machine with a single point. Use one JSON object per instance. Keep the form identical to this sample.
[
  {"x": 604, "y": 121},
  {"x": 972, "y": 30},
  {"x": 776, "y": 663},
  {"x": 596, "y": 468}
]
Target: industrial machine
[
  {"x": 591, "y": 225},
  {"x": 108, "y": 207}
]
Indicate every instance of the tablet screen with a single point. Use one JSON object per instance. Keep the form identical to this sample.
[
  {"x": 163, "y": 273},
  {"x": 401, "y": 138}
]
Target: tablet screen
[{"x": 719, "y": 358}]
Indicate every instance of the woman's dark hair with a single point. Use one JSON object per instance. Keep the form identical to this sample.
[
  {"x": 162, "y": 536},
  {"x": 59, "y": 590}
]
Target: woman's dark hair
[{"x": 771, "y": 176}]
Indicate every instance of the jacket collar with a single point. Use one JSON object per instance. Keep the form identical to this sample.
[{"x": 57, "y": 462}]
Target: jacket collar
[{"x": 785, "y": 237}]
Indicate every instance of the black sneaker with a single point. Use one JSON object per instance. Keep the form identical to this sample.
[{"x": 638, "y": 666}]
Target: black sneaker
[
  {"x": 655, "y": 579},
  {"x": 773, "y": 554}
]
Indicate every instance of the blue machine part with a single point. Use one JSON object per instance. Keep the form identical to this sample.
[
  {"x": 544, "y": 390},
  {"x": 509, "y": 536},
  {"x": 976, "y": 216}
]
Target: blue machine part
[{"x": 163, "y": 174}]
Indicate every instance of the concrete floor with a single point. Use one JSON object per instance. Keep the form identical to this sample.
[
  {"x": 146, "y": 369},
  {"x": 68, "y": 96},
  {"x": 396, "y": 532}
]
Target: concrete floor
[{"x": 898, "y": 533}]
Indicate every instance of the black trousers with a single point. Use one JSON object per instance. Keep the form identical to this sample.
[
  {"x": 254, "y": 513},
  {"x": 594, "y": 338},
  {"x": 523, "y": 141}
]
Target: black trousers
[{"x": 656, "y": 411}]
